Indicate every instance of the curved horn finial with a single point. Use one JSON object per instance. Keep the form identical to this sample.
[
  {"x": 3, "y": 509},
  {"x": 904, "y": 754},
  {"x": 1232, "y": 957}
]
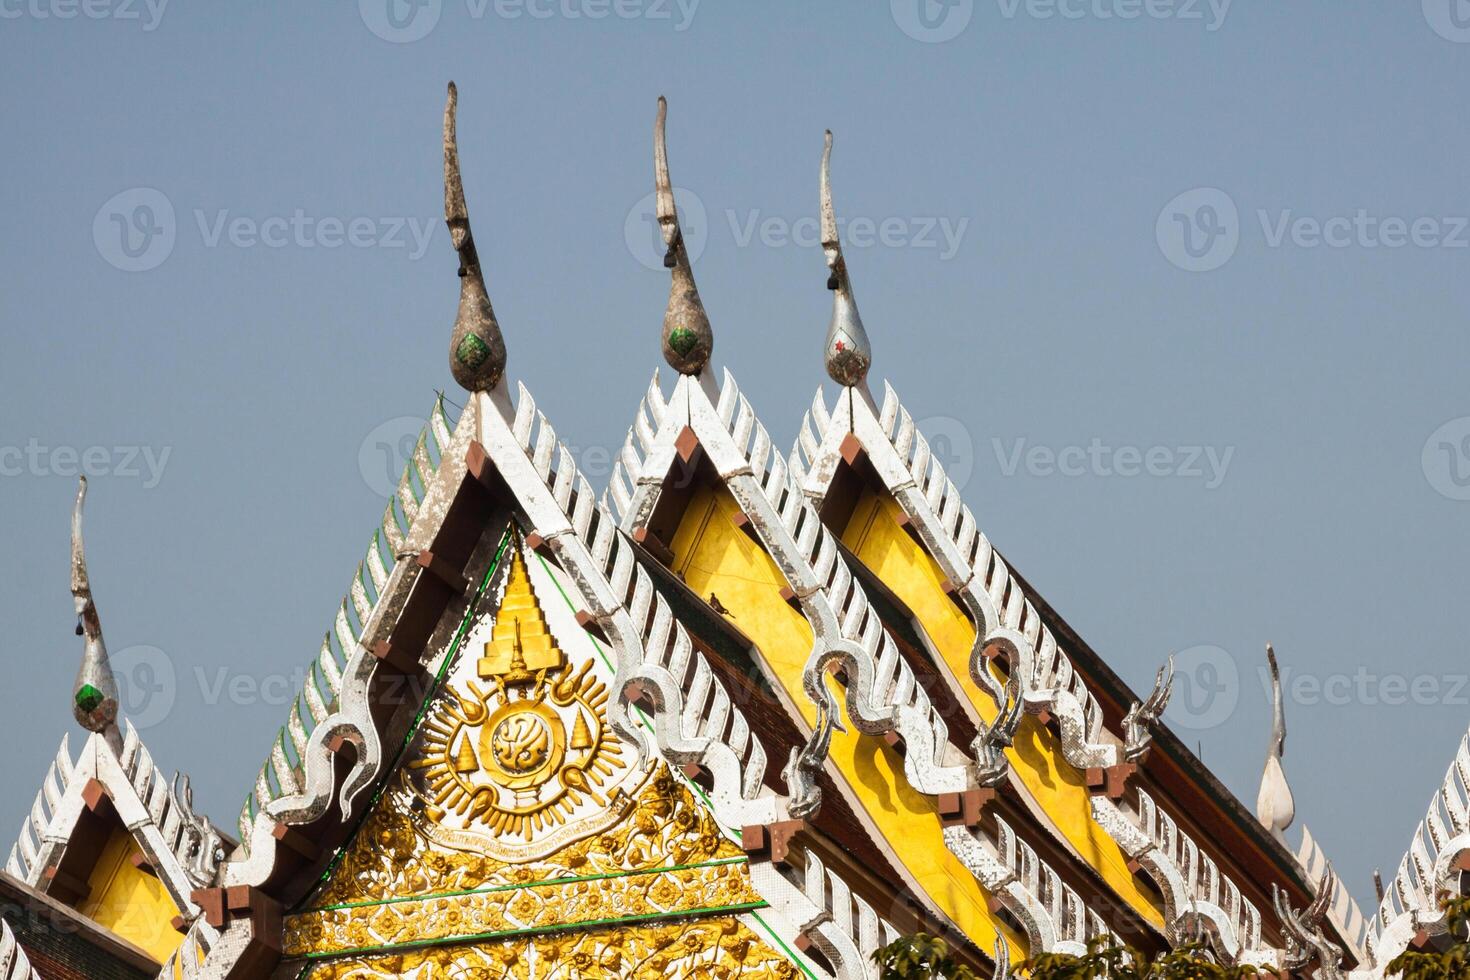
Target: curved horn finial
[
  {"x": 1275, "y": 807},
  {"x": 94, "y": 695},
  {"x": 476, "y": 349},
  {"x": 687, "y": 337},
  {"x": 1143, "y": 715},
  {"x": 848, "y": 352},
  {"x": 1002, "y": 958}
]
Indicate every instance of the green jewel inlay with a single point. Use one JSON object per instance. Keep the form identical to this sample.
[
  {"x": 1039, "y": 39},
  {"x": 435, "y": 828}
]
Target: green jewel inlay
[
  {"x": 471, "y": 351},
  {"x": 88, "y": 698},
  {"x": 682, "y": 340}
]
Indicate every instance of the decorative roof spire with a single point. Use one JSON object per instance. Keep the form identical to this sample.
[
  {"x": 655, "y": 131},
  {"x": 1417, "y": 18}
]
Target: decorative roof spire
[
  {"x": 687, "y": 337},
  {"x": 1274, "y": 805},
  {"x": 477, "y": 349},
  {"x": 94, "y": 696},
  {"x": 849, "y": 353}
]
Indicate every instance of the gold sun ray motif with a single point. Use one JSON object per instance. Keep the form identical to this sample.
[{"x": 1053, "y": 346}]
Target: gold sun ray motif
[{"x": 519, "y": 750}]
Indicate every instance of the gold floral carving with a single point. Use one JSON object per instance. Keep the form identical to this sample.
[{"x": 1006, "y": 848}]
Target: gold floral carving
[
  {"x": 722, "y": 948},
  {"x": 667, "y": 858}
]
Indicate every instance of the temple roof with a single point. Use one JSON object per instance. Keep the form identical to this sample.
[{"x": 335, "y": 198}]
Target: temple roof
[{"x": 790, "y": 706}]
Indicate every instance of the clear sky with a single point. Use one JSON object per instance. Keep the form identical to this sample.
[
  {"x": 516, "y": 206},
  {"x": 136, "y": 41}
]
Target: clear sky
[{"x": 1181, "y": 289}]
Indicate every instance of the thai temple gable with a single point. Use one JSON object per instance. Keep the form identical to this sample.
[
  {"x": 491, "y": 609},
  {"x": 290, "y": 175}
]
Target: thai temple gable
[
  {"x": 1003, "y": 864},
  {"x": 507, "y": 456},
  {"x": 108, "y": 839},
  {"x": 484, "y": 851},
  {"x": 974, "y": 573},
  {"x": 119, "y": 843}
]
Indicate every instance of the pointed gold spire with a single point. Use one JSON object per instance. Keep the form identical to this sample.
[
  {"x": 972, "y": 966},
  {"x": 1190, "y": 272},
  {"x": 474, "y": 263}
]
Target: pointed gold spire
[
  {"x": 94, "y": 695},
  {"x": 848, "y": 352},
  {"x": 521, "y": 645},
  {"x": 476, "y": 349},
  {"x": 687, "y": 337},
  {"x": 464, "y": 759}
]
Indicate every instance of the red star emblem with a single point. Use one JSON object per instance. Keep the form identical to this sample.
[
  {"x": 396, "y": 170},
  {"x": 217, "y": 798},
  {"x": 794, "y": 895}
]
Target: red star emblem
[{"x": 840, "y": 347}]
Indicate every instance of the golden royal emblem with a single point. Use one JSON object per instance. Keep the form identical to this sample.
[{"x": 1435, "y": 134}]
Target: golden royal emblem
[{"x": 520, "y": 752}]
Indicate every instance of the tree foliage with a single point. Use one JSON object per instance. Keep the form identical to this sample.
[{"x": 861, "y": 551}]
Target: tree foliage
[
  {"x": 923, "y": 956},
  {"x": 920, "y": 956},
  {"x": 1450, "y": 963}
]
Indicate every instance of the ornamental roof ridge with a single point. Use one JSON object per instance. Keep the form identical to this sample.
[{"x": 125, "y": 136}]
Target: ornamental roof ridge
[
  {"x": 1438, "y": 849},
  {"x": 283, "y": 773}
]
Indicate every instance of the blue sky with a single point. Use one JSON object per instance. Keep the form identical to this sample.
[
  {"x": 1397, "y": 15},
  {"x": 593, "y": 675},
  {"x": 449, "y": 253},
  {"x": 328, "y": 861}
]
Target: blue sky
[{"x": 1179, "y": 287}]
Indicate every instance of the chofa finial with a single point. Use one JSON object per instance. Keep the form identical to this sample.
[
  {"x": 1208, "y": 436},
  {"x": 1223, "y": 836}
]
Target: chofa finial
[
  {"x": 849, "y": 354},
  {"x": 1275, "y": 807},
  {"x": 477, "y": 349},
  {"x": 94, "y": 695},
  {"x": 687, "y": 337}
]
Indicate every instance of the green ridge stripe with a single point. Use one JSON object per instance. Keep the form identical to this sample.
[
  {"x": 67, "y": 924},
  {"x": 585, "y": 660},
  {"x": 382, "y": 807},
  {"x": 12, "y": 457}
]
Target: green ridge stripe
[
  {"x": 790, "y": 954},
  {"x": 539, "y": 930}
]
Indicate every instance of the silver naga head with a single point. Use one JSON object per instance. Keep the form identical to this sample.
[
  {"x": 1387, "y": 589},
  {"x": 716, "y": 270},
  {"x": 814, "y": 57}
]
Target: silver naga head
[
  {"x": 687, "y": 338},
  {"x": 94, "y": 695},
  {"x": 476, "y": 349},
  {"x": 204, "y": 847},
  {"x": 848, "y": 352}
]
